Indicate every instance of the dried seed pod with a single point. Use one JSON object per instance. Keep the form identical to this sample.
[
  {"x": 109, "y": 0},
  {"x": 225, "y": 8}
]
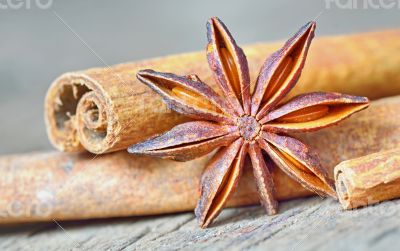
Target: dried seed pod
[{"x": 253, "y": 122}]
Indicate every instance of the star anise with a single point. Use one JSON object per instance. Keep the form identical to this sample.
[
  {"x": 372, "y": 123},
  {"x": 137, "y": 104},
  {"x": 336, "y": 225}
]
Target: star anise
[{"x": 239, "y": 123}]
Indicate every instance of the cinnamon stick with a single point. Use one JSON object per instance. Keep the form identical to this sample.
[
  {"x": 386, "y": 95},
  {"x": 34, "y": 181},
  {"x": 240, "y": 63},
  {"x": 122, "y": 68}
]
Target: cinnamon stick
[
  {"x": 369, "y": 179},
  {"x": 107, "y": 109},
  {"x": 46, "y": 186}
]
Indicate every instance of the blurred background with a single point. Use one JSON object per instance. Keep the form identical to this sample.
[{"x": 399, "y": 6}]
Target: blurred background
[{"x": 42, "y": 39}]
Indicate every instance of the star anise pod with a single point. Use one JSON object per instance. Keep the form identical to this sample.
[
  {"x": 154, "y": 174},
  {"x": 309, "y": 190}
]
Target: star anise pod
[{"x": 239, "y": 123}]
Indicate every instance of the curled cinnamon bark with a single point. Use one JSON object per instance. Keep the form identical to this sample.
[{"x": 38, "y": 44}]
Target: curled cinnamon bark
[
  {"x": 46, "y": 186},
  {"x": 107, "y": 109}
]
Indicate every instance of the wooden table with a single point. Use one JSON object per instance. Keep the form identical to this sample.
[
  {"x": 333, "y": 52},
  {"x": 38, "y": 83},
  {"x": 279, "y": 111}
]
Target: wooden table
[{"x": 305, "y": 224}]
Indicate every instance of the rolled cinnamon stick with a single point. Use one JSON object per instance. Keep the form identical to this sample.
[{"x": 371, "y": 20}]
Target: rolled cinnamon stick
[
  {"x": 106, "y": 109},
  {"x": 369, "y": 179},
  {"x": 46, "y": 186}
]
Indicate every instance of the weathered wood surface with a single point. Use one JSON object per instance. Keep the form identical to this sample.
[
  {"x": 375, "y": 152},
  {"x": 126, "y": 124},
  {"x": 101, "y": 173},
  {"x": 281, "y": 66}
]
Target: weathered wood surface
[{"x": 307, "y": 224}]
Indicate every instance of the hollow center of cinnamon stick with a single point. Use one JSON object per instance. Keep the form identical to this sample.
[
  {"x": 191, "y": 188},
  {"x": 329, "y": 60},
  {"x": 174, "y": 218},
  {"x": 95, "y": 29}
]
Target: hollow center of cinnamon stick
[
  {"x": 67, "y": 102},
  {"x": 94, "y": 126},
  {"x": 341, "y": 188}
]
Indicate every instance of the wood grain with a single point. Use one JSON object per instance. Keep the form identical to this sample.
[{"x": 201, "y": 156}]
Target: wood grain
[{"x": 304, "y": 224}]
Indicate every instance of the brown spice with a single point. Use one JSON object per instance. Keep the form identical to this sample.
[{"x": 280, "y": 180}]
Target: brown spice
[{"x": 244, "y": 124}]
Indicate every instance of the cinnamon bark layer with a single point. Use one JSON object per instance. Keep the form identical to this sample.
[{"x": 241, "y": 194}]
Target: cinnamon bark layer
[
  {"x": 46, "y": 186},
  {"x": 369, "y": 179},
  {"x": 107, "y": 109}
]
